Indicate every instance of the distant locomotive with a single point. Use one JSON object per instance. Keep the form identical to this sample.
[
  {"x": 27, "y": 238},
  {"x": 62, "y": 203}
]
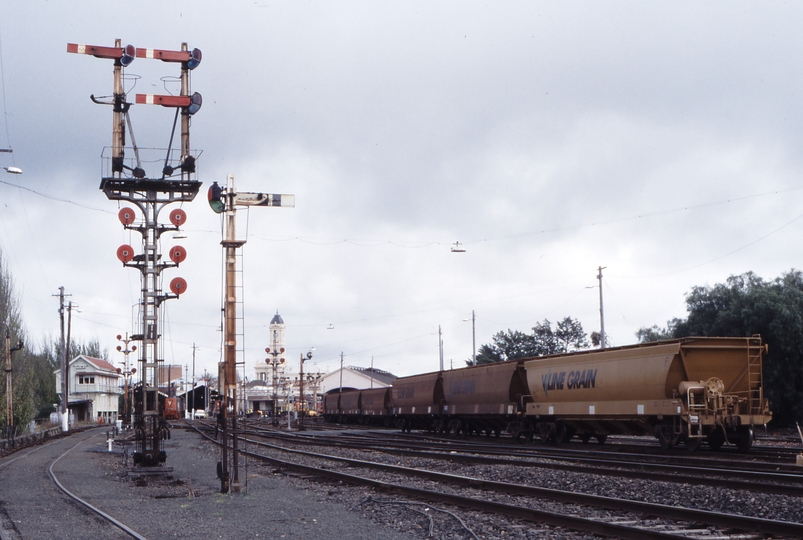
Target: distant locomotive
[
  {"x": 173, "y": 407},
  {"x": 680, "y": 391}
]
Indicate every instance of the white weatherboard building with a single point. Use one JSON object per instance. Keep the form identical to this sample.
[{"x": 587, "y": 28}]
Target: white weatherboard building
[{"x": 93, "y": 389}]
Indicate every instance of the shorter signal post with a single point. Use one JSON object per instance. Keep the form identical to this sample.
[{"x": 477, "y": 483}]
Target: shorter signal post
[{"x": 225, "y": 201}]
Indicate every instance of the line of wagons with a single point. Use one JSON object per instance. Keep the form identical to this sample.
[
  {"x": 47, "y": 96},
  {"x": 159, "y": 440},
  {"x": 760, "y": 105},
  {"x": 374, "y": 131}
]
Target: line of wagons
[{"x": 684, "y": 391}]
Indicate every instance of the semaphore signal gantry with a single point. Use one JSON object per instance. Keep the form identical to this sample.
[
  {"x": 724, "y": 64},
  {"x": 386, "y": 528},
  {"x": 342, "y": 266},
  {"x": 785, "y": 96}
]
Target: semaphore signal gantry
[{"x": 125, "y": 178}]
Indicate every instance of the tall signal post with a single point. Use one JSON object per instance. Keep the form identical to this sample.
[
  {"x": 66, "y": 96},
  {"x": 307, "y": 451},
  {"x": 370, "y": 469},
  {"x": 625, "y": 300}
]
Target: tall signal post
[
  {"x": 125, "y": 179},
  {"x": 226, "y": 201}
]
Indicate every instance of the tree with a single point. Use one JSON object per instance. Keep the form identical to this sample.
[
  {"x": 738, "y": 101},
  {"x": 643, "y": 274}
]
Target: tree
[
  {"x": 747, "y": 305},
  {"x": 570, "y": 336},
  {"x": 513, "y": 344},
  {"x": 11, "y": 326}
]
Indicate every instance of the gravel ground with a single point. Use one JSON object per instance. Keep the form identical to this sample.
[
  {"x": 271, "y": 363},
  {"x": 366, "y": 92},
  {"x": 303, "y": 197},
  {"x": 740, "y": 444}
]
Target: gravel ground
[
  {"x": 283, "y": 504},
  {"x": 185, "y": 504},
  {"x": 777, "y": 507}
]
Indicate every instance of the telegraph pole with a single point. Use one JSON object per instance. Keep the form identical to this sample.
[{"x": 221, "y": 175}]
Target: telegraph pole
[
  {"x": 440, "y": 345},
  {"x": 341, "y": 372},
  {"x": 65, "y": 411},
  {"x": 11, "y": 429},
  {"x": 602, "y": 340},
  {"x": 192, "y": 409}
]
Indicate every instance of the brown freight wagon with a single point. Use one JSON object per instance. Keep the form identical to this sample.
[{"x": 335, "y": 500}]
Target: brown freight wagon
[
  {"x": 416, "y": 401},
  {"x": 688, "y": 390},
  {"x": 375, "y": 406},
  {"x": 490, "y": 398}
]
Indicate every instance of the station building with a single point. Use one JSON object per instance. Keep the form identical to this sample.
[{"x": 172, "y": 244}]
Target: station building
[{"x": 93, "y": 389}]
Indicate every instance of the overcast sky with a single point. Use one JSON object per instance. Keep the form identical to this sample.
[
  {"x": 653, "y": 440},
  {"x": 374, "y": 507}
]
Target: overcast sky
[{"x": 659, "y": 140}]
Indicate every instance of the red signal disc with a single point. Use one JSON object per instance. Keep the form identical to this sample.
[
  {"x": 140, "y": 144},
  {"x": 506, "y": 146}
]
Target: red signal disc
[
  {"x": 178, "y": 217},
  {"x": 126, "y": 215},
  {"x": 178, "y": 254},
  {"x": 178, "y": 286},
  {"x": 125, "y": 253}
]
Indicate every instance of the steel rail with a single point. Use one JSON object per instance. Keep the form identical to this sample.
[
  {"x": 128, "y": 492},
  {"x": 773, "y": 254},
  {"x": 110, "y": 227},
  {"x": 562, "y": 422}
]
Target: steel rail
[
  {"x": 101, "y": 513},
  {"x": 673, "y": 460},
  {"x": 550, "y": 518},
  {"x": 660, "y": 472},
  {"x": 730, "y": 521}
]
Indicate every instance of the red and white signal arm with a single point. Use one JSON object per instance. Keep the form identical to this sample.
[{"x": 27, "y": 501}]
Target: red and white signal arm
[
  {"x": 178, "y": 254},
  {"x": 178, "y": 217},
  {"x": 178, "y": 286},
  {"x": 126, "y": 215},
  {"x": 125, "y": 253}
]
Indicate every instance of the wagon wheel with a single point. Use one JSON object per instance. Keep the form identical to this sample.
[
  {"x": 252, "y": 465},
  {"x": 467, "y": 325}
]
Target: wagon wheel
[
  {"x": 601, "y": 438},
  {"x": 545, "y": 431},
  {"x": 665, "y": 438},
  {"x": 563, "y": 433},
  {"x": 692, "y": 443},
  {"x": 745, "y": 440},
  {"x": 715, "y": 442}
]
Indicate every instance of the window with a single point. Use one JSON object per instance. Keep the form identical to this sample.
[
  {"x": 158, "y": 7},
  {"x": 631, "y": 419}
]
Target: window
[{"x": 85, "y": 379}]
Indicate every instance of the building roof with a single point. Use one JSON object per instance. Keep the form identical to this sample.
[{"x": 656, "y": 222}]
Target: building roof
[
  {"x": 277, "y": 319},
  {"x": 382, "y": 376},
  {"x": 98, "y": 363}
]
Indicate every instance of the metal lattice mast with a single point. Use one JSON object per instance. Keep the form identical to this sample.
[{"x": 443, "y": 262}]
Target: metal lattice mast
[{"x": 125, "y": 180}]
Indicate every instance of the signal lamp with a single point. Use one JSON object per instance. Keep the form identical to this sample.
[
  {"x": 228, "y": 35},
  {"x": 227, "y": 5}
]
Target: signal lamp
[
  {"x": 195, "y": 59},
  {"x": 215, "y": 200},
  {"x": 128, "y": 55},
  {"x": 120, "y": 348},
  {"x": 188, "y": 164},
  {"x": 195, "y": 103}
]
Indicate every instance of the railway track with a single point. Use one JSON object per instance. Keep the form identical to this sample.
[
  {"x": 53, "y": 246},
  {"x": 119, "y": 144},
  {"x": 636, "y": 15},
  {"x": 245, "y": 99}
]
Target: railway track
[
  {"x": 608, "y": 516},
  {"x": 754, "y": 476},
  {"x": 33, "y": 477}
]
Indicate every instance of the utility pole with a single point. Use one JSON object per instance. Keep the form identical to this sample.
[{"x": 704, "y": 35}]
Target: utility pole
[
  {"x": 226, "y": 201},
  {"x": 65, "y": 411},
  {"x": 602, "y": 340},
  {"x": 341, "y": 372},
  {"x": 440, "y": 345},
  {"x": 11, "y": 429},
  {"x": 192, "y": 409},
  {"x": 473, "y": 337}
]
